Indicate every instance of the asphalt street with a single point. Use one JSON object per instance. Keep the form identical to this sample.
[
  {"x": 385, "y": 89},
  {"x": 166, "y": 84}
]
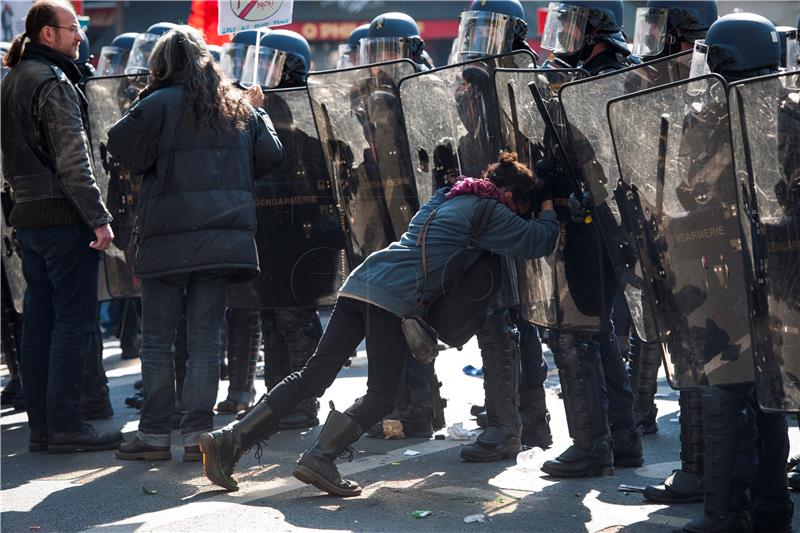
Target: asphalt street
[{"x": 95, "y": 491}]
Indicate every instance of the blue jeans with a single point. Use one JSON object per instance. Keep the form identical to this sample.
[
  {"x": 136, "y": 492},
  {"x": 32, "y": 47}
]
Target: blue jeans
[
  {"x": 60, "y": 315},
  {"x": 162, "y": 302}
]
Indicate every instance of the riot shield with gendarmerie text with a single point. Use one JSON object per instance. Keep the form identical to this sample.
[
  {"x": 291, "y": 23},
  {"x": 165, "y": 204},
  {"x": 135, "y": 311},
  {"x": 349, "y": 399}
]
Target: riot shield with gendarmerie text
[
  {"x": 674, "y": 152},
  {"x": 765, "y": 127},
  {"x": 532, "y": 126},
  {"x": 362, "y": 133},
  {"x": 451, "y": 119},
  {"x": 109, "y": 98},
  {"x": 583, "y": 103},
  {"x": 300, "y": 235}
]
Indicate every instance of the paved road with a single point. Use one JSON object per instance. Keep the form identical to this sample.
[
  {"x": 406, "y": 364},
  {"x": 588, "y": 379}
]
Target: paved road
[{"x": 95, "y": 491}]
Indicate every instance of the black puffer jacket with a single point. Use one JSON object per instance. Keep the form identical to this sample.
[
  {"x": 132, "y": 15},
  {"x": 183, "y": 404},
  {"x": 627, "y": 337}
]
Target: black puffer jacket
[{"x": 195, "y": 209}]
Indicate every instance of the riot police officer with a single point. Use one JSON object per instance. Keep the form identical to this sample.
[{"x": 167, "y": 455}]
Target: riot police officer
[
  {"x": 393, "y": 36},
  {"x": 234, "y": 53},
  {"x": 290, "y": 334},
  {"x": 515, "y": 407},
  {"x": 597, "y": 390},
  {"x": 114, "y": 57},
  {"x": 666, "y": 27},
  {"x": 744, "y": 484},
  {"x": 348, "y": 52},
  {"x": 139, "y": 57}
]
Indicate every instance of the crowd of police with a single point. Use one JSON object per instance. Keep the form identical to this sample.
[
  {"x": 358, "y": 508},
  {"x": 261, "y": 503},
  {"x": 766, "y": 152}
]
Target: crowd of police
[{"x": 673, "y": 164}]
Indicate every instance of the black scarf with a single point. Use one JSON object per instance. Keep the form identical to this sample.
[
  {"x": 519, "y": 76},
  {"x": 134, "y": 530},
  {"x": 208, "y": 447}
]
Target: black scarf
[{"x": 45, "y": 53}]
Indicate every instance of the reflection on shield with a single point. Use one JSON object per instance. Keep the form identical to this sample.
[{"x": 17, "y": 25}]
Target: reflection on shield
[
  {"x": 532, "y": 125},
  {"x": 11, "y": 253},
  {"x": 583, "y": 103},
  {"x": 674, "y": 152},
  {"x": 300, "y": 236},
  {"x": 765, "y": 122},
  {"x": 109, "y": 98},
  {"x": 451, "y": 113},
  {"x": 361, "y": 129}
]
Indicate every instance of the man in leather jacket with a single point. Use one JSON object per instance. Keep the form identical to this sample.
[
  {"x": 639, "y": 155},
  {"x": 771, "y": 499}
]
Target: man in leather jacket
[{"x": 61, "y": 221}]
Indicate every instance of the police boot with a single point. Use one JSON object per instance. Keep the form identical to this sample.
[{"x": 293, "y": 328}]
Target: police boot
[
  {"x": 316, "y": 467},
  {"x": 244, "y": 342},
  {"x": 685, "y": 485},
  {"x": 730, "y": 459},
  {"x": 501, "y": 368},
  {"x": 645, "y": 361},
  {"x": 772, "y": 508},
  {"x": 438, "y": 405},
  {"x": 223, "y": 448},
  {"x": 793, "y": 477},
  {"x": 535, "y": 418},
  {"x": 301, "y": 330},
  {"x": 581, "y": 380}
]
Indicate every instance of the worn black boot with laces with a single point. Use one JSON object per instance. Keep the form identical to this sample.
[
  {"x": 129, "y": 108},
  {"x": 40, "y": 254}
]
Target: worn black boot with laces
[
  {"x": 316, "y": 467},
  {"x": 223, "y": 448}
]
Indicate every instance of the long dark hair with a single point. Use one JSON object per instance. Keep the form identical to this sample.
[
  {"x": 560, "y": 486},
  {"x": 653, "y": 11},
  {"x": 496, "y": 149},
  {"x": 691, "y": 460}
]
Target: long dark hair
[
  {"x": 42, "y": 13},
  {"x": 182, "y": 57}
]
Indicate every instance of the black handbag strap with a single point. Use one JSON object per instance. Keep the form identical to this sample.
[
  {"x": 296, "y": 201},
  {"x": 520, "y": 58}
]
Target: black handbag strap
[{"x": 480, "y": 219}]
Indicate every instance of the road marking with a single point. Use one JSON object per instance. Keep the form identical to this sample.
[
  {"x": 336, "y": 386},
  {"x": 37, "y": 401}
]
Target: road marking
[{"x": 216, "y": 504}]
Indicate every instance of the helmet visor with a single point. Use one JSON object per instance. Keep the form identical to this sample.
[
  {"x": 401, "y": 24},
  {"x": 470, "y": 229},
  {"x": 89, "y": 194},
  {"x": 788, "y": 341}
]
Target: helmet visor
[
  {"x": 699, "y": 59},
  {"x": 232, "y": 59},
  {"x": 792, "y": 52},
  {"x": 565, "y": 28},
  {"x": 347, "y": 57},
  {"x": 269, "y": 71},
  {"x": 113, "y": 60},
  {"x": 381, "y": 49},
  {"x": 139, "y": 58},
  {"x": 651, "y": 31},
  {"x": 482, "y": 33}
]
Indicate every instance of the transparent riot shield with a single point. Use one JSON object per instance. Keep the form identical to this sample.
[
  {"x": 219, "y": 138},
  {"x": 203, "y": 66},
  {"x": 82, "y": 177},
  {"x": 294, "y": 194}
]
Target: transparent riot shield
[
  {"x": 674, "y": 151},
  {"x": 583, "y": 103},
  {"x": 532, "y": 125},
  {"x": 765, "y": 126},
  {"x": 109, "y": 98},
  {"x": 362, "y": 133},
  {"x": 452, "y": 121},
  {"x": 300, "y": 235},
  {"x": 11, "y": 256}
]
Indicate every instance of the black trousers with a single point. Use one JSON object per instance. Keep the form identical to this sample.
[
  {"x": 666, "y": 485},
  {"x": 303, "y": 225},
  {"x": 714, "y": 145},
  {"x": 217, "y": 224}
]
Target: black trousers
[{"x": 351, "y": 321}]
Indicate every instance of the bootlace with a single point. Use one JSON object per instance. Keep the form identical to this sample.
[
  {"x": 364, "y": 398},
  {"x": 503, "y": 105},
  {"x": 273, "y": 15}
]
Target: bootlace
[{"x": 348, "y": 453}]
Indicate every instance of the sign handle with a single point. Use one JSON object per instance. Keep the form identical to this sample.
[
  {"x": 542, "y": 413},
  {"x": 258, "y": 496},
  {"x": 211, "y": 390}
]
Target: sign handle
[{"x": 258, "y": 50}]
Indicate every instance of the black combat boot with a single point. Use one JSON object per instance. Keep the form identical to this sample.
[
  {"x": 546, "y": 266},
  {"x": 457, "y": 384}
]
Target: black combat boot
[
  {"x": 581, "y": 380},
  {"x": 501, "y": 368},
  {"x": 316, "y": 467},
  {"x": 535, "y": 418},
  {"x": 730, "y": 461},
  {"x": 222, "y": 448},
  {"x": 414, "y": 407},
  {"x": 244, "y": 342},
  {"x": 645, "y": 361},
  {"x": 685, "y": 485}
]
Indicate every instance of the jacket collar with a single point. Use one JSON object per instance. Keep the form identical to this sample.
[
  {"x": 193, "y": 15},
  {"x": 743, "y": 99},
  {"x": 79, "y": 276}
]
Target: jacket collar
[{"x": 45, "y": 53}]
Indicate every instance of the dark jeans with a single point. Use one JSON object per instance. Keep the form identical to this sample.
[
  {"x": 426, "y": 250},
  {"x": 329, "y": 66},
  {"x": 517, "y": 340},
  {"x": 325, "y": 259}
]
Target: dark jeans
[
  {"x": 351, "y": 321},
  {"x": 534, "y": 366},
  {"x": 162, "y": 303},
  {"x": 60, "y": 316}
]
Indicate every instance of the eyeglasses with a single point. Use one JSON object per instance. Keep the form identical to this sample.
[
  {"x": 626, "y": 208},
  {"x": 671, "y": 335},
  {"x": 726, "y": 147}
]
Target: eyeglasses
[{"x": 73, "y": 29}]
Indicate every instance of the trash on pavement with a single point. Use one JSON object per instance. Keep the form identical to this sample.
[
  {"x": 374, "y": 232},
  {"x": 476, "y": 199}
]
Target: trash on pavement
[
  {"x": 531, "y": 458},
  {"x": 421, "y": 513},
  {"x": 472, "y": 371},
  {"x": 411, "y": 453},
  {"x": 150, "y": 491},
  {"x": 457, "y": 432},
  {"x": 476, "y": 518}
]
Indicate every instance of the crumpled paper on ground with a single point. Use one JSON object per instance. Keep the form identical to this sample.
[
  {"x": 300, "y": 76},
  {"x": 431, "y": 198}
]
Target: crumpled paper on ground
[
  {"x": 476, "y": 518},
  {"x": 457, "y": 432}
]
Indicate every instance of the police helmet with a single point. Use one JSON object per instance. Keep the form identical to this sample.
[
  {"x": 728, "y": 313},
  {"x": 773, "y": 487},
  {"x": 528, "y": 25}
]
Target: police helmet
[
  {"x": 348, "y": 52},
  {"x": 215, "y": 51},
  {"x": 573, "y": 25},
  {"x": 391, "y": 36},
  {"x": 738, "y": 46},
  {"x": 663, "y": 25},
  {"x": 490, "y": 27},
  {"x": 139, "y": 58},
  {"x": 234, "y": 53},
  {"x": 284, "y": 58},
  {"x": 114, "y": 57}
]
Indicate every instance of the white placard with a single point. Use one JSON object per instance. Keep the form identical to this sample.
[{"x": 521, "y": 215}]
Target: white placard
[{"x": 240, "y": 15}]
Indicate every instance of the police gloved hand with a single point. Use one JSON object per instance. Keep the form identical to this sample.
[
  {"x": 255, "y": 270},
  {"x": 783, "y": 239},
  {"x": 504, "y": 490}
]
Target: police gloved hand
[
  {"x": 547, "y": 169},
  {"x": 580, "y": 209}
]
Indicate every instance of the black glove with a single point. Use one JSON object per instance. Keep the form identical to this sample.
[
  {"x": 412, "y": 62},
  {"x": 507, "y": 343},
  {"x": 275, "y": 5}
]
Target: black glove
[{"x": 580, "y": 209}]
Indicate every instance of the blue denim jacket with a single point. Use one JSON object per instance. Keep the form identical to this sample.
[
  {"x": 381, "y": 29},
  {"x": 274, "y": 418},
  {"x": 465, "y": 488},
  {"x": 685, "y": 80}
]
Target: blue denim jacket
[{"x": 391, "y": 278}]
